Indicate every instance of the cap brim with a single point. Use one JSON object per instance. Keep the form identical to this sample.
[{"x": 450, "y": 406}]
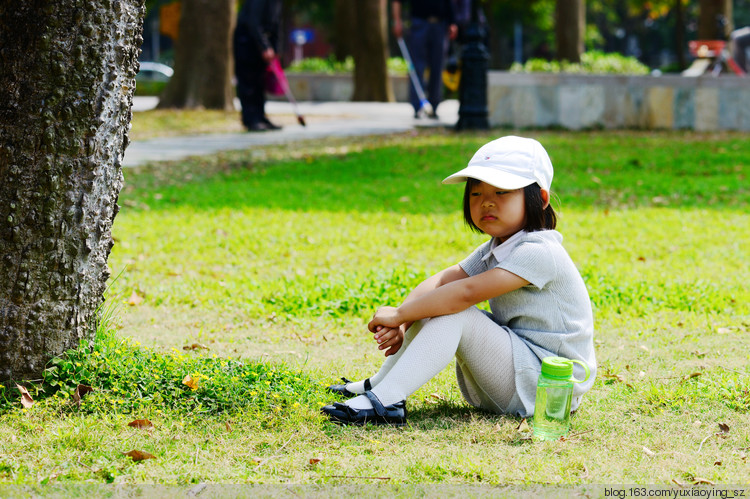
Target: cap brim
[{"x": 496, "y": 178}]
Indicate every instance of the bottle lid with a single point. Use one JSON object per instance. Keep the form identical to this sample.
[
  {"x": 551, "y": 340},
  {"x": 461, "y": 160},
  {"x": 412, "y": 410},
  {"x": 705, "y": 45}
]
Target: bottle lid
[
  {"x": 562, "y": 368},
  {"x": 557, "y": 367}
]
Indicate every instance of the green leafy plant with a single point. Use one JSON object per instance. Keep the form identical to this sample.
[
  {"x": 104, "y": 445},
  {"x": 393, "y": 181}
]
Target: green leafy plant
[{"x": 592, "y": 62}]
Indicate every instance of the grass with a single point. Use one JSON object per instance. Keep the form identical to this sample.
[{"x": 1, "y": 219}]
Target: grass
[{"x": 271, "y": 261}]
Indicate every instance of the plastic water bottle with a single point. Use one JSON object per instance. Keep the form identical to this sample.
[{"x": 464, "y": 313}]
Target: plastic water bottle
[{"x": 554, "y": 394}]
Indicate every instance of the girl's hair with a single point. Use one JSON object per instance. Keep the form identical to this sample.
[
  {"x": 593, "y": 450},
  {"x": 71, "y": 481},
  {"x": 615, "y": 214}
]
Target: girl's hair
[{"x": 537, "y": 218}]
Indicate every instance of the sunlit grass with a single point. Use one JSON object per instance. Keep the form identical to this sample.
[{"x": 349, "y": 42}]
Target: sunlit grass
[{"x": 278, "y": 256}]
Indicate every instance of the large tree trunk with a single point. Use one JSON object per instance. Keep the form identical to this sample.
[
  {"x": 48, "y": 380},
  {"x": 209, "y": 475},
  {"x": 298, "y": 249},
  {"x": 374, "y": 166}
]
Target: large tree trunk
[
  {"x": 67, "y": 74},
  {"x": 570, "y": 27},
  {"x": 715, "y": 19},
  {"x": 203, "y": 57},
  {"x": 345, "y": 29},
  {"x": 370, "y": 52}
]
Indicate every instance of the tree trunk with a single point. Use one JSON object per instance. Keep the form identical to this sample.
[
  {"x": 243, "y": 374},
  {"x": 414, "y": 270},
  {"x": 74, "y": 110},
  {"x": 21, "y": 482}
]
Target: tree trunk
[
  {"x": 345, "y": 29},
  {"x": 715, "y": 19},
  {"x": 679, "y": 34},
  {"x": 203, "y": 57},
  {"x": 370, "y": 52},
  {"x": 570, "y": 27},
  {"x": 67, "y": 75}
]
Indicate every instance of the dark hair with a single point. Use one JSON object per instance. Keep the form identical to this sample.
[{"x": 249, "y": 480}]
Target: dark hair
[{"x": 537, "y": 218}]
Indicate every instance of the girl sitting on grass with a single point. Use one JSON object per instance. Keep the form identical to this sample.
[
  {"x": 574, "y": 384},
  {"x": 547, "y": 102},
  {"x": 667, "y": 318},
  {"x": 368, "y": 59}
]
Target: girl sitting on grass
[{"x": 540, "y": 306}]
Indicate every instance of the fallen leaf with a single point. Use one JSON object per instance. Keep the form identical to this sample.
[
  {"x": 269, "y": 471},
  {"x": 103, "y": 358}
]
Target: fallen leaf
[
  {"x": 497, "y": 428},
  {"x": 135, "y": 299},
  {"x": 703, "y": 480},
  {"x": 315, "y": 460},
  {"x": 141, "y": 423},
  {"x": 641, "y": 258},
  {"x": 648, "y": 451},
  {"x": 195, "y": 346},
  {"x": 723, "y": 330},
  {"x": 679, "y": 484},
  {"x": 257, "y": 460},
  {"x": 717, "y": 463},
  {"x": 437, "y": 396},
  {"x": 697, "y": 424},
  {"x": 81, "y": 391},
  {"x": 26, "y": 399},
  {"x": 523, "y": 426},
  {"x": 724, "y": 427},
  {"x": 743, "y": 457},
  {"x": 139, "y": 455},
  {"x": 228, "y": 426},
  {"x": 190, "y": 382}
]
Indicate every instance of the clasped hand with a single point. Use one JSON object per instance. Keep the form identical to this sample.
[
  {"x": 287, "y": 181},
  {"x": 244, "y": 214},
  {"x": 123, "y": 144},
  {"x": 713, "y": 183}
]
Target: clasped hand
[{"x": 388, "y": 328}]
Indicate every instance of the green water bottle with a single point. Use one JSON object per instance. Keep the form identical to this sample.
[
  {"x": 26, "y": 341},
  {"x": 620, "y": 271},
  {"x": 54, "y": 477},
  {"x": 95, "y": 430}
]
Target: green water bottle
[{"x": 554, "y": 393}]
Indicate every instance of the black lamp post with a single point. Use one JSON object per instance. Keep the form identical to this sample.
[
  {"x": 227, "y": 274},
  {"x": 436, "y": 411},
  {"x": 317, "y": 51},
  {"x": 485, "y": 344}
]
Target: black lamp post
[{"x": 472, "y": 91}]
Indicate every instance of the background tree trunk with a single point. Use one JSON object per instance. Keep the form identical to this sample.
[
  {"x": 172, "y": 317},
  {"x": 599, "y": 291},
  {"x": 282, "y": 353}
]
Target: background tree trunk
[
  {"x": 203, "y": 57},
  {"x": 67, "y": 74},
  {"x": 570, "y": 27},
  {"x": 715, "y": 19},
  {"x": 370, "y": 52},
  {"x": 345, "y": 29}
]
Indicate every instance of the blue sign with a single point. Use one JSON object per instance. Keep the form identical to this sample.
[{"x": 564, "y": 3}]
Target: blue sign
[{"x": 302, "y": 36}]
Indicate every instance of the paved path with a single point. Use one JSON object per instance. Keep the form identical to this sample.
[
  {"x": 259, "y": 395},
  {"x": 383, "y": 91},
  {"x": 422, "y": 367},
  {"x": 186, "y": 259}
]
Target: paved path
[{"x": 324, "y": 119}]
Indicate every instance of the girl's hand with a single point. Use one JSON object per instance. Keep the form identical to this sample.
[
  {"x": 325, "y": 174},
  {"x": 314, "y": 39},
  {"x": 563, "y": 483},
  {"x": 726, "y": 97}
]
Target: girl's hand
[
  {"x": 389, "y": 338},
  {"x": 385, "y": 316}
]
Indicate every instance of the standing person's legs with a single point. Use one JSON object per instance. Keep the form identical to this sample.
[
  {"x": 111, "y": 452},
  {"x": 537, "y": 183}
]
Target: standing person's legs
[
  {"x": 471, "y": 334},
  {"x": 436, "y": 58},
  {"x": 418, "y": 39}
]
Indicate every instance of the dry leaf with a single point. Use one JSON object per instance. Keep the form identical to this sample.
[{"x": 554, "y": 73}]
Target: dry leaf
[
  {"x": 648, "y": 451},
  {"x": 679, "y": 484},
  {"x": 724, "y": 427},
  {"x": 195, "y": 346},
  {"x": 26, "y": 399},
  {"x": 190, "y": 382},
  {"x": 135, "y": 299},
  {"x": 717, "y": 463},
  {"x": 497, "y": 428},
  {"x": 315, "y": 460},
  {"x": 723, "y": 330},
  {"x": 228, "y": 426},
  {"x": 437, "y": 396},
  {"x": 139, "y": 455},
  {"x": 523, "y": 426},
  {"x": 257, "y": 460},
  {"x": 81, "y": 391},
  {"x": 703, "y": 480},
  {"x": 141, "y": 423}
]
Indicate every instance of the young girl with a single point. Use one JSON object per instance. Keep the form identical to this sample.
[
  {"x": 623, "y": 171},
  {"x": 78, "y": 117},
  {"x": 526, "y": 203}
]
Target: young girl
[{"x": 540, "y": 306}]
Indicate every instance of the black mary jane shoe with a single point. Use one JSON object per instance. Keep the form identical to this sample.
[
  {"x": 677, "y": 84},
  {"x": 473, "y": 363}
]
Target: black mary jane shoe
[
  {"x": 391, "y": 415},
  {"x": 341, "y": 389}
]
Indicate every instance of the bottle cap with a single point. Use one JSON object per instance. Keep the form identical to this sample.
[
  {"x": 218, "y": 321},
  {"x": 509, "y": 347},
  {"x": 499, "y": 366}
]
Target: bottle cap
[
  {"x": 557, "y": 367},
  {"x": 562, "y": 368}
]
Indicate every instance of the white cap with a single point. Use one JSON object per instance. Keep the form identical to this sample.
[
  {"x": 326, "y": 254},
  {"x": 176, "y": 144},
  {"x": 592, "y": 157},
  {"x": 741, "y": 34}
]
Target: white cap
[{"x": 508, "y": 163}]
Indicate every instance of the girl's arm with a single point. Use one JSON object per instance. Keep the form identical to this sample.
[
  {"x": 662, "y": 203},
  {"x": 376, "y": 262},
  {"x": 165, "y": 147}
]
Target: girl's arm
[
  {"x": 451, "y": 297},
  {"x": 391, "y": 338}
]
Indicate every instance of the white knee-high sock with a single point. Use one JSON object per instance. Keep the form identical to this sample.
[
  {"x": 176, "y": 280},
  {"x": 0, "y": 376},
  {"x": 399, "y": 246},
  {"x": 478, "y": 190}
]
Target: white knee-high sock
[
  {"x": 390, "y": 361},
  {"x": 426, "y": 355}
]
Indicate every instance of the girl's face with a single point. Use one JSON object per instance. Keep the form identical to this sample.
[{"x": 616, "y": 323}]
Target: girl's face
[{"x": 498, "y": 213}]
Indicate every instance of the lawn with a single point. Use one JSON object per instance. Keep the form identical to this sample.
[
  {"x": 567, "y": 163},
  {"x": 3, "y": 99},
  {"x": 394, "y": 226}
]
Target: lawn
[{"x": 252, "y": 275}]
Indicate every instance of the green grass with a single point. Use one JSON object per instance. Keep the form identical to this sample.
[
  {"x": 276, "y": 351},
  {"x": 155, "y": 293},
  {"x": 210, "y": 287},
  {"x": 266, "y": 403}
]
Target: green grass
[{"x": 275, "y": 258}]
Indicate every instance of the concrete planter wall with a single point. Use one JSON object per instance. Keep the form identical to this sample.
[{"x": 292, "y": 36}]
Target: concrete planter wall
[
  {"x": 583, "y": 101},
  {"x": 591, "y": 101},
  {"x": 321, "y": 87}
]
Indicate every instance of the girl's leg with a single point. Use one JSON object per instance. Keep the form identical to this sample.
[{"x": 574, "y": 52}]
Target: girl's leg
[
  {"x": 390, "y": 361},
  {"x": 434, "y": 347}
]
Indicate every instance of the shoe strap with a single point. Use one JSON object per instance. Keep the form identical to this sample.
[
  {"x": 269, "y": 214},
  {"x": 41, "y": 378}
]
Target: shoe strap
[{"x": 377, "y": 405}]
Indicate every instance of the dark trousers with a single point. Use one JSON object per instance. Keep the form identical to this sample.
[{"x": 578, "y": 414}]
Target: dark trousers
[
  {"x": 250, "y": 69},
  {"x": 427, "y": 47}
]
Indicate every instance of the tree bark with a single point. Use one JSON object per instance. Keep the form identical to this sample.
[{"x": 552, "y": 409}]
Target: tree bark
[
  {"x": 715, "y": 19},
  {"x": 67, "y": 75},
  {"x": 370, "y": 52},
  {"x": 203, "y": 57},
  {"x": 570, "y": 27},
  {"x": 345, "y": 29}
]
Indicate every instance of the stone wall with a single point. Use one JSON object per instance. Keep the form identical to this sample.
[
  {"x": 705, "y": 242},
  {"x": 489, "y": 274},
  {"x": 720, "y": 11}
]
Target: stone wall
[
  {"x": 583, "y": 101},
  {"x": 589, "y": 101}
]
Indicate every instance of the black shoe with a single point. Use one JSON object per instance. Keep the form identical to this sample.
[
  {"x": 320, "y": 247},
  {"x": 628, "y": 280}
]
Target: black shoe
[
  {"x": 257, "y": 127},
  {"x": 392, "y": 415},
  {"x": 341, "y": 389},
  {"x": 270, "y": 125}
]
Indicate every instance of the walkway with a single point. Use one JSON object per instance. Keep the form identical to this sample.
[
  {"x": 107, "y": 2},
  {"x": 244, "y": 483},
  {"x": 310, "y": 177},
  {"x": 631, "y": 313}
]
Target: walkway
[{"x": 324, "y": 119}]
